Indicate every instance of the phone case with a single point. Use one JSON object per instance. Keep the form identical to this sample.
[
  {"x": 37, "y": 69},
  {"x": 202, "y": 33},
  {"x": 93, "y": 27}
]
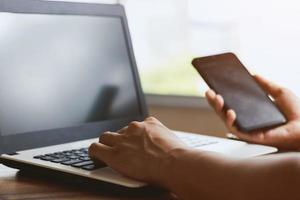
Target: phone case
[{"x": 227, "y": 76}]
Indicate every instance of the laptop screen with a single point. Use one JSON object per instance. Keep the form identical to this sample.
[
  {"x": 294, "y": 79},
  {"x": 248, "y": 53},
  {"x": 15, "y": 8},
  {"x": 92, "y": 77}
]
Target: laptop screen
[{"x": 62, "y": 71}]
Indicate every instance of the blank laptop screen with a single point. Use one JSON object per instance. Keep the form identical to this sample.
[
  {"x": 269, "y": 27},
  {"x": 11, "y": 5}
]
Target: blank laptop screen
[{"x": 62, "y": 71}]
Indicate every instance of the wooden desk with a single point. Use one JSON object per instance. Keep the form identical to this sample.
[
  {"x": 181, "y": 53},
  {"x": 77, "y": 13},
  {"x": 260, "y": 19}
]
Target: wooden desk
[{"x": 19, "y": 186}]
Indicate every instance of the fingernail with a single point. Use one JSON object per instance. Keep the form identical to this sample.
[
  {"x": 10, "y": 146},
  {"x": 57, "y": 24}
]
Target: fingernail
[
  {"x": 231, "y": 136},
  {"x": 210, "y": 93},
  {"x": 219, "y": 97}
]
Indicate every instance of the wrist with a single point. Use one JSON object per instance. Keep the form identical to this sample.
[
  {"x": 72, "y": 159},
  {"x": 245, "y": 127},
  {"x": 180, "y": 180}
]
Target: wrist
[{"x": 167, "y": 168}]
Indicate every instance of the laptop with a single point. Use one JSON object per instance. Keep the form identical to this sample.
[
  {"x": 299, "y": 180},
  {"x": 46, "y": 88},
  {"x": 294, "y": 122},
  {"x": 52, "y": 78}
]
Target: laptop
[{"x": 68, "y": 73}]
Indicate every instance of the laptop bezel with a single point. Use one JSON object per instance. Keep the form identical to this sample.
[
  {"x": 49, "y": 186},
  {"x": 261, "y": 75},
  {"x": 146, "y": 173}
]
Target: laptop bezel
[{"x": 17, "y": 142}]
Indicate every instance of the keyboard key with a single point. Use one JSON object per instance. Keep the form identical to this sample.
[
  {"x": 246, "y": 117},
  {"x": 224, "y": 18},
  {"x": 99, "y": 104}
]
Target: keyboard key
[
  {"x": 58, "y": 156},
  {"x": 49, "y": 154},
  {"x": 73, "y": 157},
  {"x": 84, "y": 163},
  {"x": 85, "y": 158},
  {"x": 77, "y": 152},
  {"x": 60, "y": 160},
  {"x": 38, "y": 157},
  {"x": 47, "y": 158},
  {"x": 68, "y": 154},
  {"x": 89, "y": 167},
  {"x": 71, "y": 162},
  {"x": 82, "y": 154}
]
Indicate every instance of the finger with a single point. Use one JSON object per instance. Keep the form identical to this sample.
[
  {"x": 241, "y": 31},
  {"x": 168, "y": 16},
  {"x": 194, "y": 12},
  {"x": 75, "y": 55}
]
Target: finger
[
  {"x": 272, "y": 88},
  {"x": 216, "y": 102},
  {"x": 232, "y": 136},
  {"x": 219, "y": 104},
  {"x": 219, "y": 107},
  {"x": 109, "y": 138},
  {"x": 152, "y": 119},
  {"x": 257, "y": 137},
  {"x": 101, "y": 152},
  {"x": 135, "y": 125},
  {"x": 122, "y": 130},
  {"x": 235, "y": 133},
  {"x": 230, "y": 118},
  {"x": 210, "y": 97}
]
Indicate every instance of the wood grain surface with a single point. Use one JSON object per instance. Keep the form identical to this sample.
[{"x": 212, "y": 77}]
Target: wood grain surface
[{"x": 16, "y": 185}]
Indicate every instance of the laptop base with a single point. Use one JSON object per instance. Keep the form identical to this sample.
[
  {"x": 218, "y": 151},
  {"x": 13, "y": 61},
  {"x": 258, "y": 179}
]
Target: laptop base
[{"x": 28, "y": 170}]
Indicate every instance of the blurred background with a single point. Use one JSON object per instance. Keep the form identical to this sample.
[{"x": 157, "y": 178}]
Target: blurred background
[{"x": 167, "y": 34}]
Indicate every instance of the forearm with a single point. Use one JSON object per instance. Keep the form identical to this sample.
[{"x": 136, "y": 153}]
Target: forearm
[
  {"x": 271, "y": 177},
  {"x": 193, "y": 174}
]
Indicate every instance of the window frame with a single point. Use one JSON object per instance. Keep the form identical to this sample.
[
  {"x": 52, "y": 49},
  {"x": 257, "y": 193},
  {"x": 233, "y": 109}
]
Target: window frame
[{"x": 177, "y": 101}]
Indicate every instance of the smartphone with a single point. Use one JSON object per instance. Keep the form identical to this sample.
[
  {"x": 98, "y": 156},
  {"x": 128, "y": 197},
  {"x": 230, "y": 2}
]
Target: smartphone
[{"x": 227, "y": 76}]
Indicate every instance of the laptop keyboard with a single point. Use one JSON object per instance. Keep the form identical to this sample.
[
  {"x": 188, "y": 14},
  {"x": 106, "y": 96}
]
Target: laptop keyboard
[
  {"x": 195, "y": 141},
  {"x": 79, "y": 158}
]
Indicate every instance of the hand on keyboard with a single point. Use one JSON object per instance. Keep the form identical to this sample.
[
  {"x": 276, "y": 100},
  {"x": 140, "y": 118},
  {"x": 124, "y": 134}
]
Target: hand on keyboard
[{"x": 138, "y": 151}]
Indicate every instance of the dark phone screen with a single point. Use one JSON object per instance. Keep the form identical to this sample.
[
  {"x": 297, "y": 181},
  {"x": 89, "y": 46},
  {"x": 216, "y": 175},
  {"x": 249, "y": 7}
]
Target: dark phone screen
[{"x": 228, "y": 77}]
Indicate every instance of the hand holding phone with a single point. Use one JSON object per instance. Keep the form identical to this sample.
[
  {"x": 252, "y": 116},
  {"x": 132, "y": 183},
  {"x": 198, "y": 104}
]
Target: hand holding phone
[
  {"x": 286, "y": 136},
  {"x": 227, "y": 76}
]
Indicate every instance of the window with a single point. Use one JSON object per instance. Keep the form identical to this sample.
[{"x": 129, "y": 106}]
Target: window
[{"x": 168, "y": 34}]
